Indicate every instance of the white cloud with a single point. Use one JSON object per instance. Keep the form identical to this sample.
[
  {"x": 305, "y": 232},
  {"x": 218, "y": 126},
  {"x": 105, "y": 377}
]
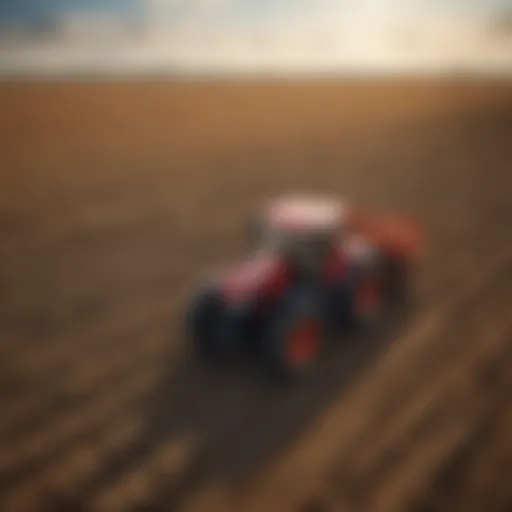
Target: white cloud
[
  {"x": 92, "y": 29},
  {"x": 321, "y": 35},
  {"x": 191, "y": 7},
  {"x": 189, "y": 4}
]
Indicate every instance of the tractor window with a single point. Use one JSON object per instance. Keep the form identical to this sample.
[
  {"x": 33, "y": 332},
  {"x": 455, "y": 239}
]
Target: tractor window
[
  {"x": 273, "y": 240},
  {"x": 308, "y": 251}
]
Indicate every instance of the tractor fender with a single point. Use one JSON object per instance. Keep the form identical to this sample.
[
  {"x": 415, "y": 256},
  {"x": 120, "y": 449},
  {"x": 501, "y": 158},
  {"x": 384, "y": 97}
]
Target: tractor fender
[{"x": 262, "y": 277}]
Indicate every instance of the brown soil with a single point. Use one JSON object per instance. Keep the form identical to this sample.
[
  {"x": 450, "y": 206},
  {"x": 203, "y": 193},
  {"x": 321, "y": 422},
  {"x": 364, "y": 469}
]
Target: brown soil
[{"x": 116, "y": 198}]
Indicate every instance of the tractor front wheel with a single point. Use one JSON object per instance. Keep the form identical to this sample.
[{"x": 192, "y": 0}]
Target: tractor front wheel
[{"x": 295, "y": 336}]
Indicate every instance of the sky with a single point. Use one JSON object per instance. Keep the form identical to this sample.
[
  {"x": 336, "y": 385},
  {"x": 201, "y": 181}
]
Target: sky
[{"x": 255, "y": 36}]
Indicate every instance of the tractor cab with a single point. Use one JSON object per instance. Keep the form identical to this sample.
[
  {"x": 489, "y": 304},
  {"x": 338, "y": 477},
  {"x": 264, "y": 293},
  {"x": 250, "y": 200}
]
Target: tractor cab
[{"x": 303, "y": 230}]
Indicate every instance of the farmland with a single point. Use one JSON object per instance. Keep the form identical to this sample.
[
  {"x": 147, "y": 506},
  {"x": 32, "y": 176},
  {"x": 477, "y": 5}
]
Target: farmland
[{"x": 116, "y": 197}]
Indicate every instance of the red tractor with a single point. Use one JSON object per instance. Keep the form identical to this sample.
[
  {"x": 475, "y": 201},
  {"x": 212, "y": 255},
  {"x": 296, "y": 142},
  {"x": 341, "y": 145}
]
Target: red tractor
[{"x": 320, "y": 267}]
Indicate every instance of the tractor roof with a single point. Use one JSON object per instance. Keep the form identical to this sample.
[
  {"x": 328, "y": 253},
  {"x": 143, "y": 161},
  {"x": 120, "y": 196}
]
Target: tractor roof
[{"x": 300, "y": 212}]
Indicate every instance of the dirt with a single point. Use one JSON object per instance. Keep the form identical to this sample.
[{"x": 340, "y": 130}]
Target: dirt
[{"x": 117, "y": 198}]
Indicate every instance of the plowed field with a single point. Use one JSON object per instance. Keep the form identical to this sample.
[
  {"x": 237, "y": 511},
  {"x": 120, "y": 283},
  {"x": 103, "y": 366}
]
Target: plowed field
[{"x": 116, "y": 197}]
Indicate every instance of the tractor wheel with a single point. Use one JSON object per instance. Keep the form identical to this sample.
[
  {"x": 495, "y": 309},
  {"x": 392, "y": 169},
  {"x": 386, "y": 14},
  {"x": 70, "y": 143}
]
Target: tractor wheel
[
  {"x": 400, "y": 294},
  {"x": 396, "y": 279},
  {"x": 369, "y": 300},
  {"x": 295, "y": 336},
  {"x": 204, "y": 321},
  {"x": 365, "y": 299},
  {"x": 381, "y": 294}
]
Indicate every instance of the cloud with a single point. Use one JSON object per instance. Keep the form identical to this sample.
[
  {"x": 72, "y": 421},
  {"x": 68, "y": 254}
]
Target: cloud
[
  {"x": 167, "y": 9},
  {"x": 260, "y": 35},
  {"x": 502, "y": 24},
  {"x": 188, "y": 4}
]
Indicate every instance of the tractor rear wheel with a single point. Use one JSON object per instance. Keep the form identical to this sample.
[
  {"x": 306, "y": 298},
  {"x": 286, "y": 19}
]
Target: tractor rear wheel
[{"x": 204, "y": 320}]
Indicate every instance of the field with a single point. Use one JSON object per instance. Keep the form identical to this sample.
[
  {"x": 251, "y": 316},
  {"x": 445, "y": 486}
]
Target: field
[{"x": 115, "y": 198}]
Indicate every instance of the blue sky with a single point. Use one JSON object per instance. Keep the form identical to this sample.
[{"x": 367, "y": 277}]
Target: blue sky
[
  {"x": 256, "y": 34},
  {"x": 28, "y": 10}
]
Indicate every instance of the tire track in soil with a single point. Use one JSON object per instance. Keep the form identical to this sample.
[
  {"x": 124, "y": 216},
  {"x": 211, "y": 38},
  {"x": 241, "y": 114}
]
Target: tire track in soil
[
  {"x": 459, "y": 484},
  {"x": 406, "y": 435},
  {"x": 430, "y": 355},
  {"x": 421, "y": 393},
  {"x": 234, "y": 446},
  {"x": 395, "y": 473},
  {"x": 193, "y": 476},
  {"x": 443, "y": 433},
  {"x": 391, "y": 451},
  {"x": 274, "y": 170},
  {"x": 313, "y": 458},
  {"x": 401, "y": 486},
  {"x": 31, "y": 412},
  {"x": 78, "y": 426},
  {"x": 59, "y": 479},
  {"x": 491, "y": 284}
]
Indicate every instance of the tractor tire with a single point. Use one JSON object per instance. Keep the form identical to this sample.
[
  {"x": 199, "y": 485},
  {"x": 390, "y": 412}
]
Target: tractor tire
[
  {"x": 294, "y": 337},
  {"x": 204, "y": 325}
]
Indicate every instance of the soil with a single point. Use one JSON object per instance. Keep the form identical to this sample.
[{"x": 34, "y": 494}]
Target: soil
[{"x": 117, "y": 198}]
